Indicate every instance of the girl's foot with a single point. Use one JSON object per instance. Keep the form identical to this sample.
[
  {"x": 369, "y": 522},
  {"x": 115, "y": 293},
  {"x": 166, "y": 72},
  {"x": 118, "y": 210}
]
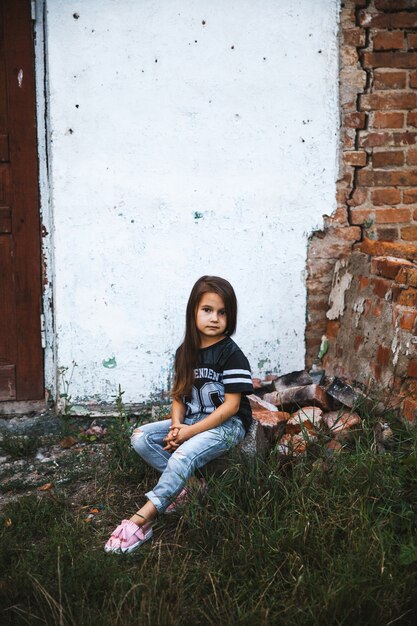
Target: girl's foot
[
  {"x": 185, "y": 495},
  {"x": 182, "y": 498},
  {"x": 128, "y": 537}
]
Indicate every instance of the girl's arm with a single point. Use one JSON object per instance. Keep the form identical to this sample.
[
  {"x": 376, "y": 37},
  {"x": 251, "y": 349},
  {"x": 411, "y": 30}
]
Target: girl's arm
[
  {"x": 178, "y": 412},
  {"x": 229, "y": 408},
  {"x": 177, "y": 418}
]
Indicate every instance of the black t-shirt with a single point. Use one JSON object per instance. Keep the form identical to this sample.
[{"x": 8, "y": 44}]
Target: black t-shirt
[{"x": 222, "y": 368}]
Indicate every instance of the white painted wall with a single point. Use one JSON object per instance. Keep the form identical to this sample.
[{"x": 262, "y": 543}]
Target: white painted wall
[{"x": 179, "y": 148}]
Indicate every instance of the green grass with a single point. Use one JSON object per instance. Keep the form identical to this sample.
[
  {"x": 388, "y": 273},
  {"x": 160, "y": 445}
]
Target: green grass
[
  {"x": 19, "y": 446},
  {"x": 320, "y": 541}
]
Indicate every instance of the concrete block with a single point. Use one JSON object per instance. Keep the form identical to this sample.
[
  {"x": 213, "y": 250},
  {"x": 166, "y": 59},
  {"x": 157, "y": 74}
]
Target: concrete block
[{"x": 255, "y": 444}]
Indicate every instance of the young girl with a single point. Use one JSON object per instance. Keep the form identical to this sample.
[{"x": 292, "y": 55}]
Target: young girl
[{"x": 210, "y": 411}]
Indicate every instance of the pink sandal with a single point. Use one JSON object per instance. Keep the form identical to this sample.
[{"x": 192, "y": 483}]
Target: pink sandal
[{"x": 127, "y": 537}]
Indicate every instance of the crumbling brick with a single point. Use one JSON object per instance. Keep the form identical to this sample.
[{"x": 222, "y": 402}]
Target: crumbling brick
[
  {"x": 412, "y": 41},
  {"x": 388, "y": 120},
  {"x": 332, "y": 328},
  {"x": 409, "y": 409},
  {"x": 407, "y": 297},
  {"x": 392, "y": 215},
  {"x": 395, "y": 5},
  {"x": 355, "y": 120},
  {"x": 386, "y": 178},
  {"x": 389, "y": 100},
  {"x": 299, "y": 378},
  {"x": 299, "y": 396},
  {"x": 363, "y": 283},
  {"x": 412, "y": 369},
  {"x": 386, "y": 140},
  {"x": 409, "y": 233},
  {"x": 295, "y": 445},
  {"x": 358, "y": 342},
  {"x": 360, "y": 216},
  {"x": 407, "y": 320},
  {"x": 359, "y": 196},
  {"x": 258, "y": 403},
  {"x": 272, "y": 422},
  {"x": 388, "y": 267},
  {"x": 349, "y": 56},
  {"x": 342, "y": 425},
  {"x": 410, "y": 195},
  {"x": 409, "y": 388},
  {"x": 388, "y": 40},
  {"x": 407, "y": 275},
  {"x": 354, "y": 37},
  {"x": 382, "y": 248},
  {"x": 384, "y": 159},
  {"x": 380, "y": 287},
  {"x": 378, "y": 308},
  {"x": 355, "y": 158},
  {"x": 383, "y": 356},
  {"x": 395, "y": 20},
  {"x": 387, "y": 195},
  {"x": 411, "y": 157},
  {"x": 308, "y": 418},
  {"x": 389, "y": 79},
  {"x": 386, "y": 234},
  {"x": 412, "y": 118},
  {"x": 333, "y": 446}
]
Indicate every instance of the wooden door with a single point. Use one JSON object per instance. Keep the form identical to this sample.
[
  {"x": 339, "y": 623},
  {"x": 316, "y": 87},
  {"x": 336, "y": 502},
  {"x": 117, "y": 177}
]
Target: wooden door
[{"x": 21, "y": 354}]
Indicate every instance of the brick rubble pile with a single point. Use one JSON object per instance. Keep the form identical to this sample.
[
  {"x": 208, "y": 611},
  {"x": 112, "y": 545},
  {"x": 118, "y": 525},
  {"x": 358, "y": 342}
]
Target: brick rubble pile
[{"x": 293, "y": 411}]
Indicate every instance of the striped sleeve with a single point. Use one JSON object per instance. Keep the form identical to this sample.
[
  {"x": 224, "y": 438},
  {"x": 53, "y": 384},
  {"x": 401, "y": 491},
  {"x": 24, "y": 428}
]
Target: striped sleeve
[{"x": 237, "y": 376}]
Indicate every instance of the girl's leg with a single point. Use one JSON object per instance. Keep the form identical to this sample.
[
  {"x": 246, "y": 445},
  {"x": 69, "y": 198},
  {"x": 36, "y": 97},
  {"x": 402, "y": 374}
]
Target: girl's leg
[
  {"x": 146, "y": 514},
  {"x": 191, "y": 455},
  {"x": 148, "y": 442}
]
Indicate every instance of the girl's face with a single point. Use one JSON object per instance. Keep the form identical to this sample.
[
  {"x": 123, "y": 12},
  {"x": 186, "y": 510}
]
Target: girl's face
[{"x": 210, "y": 319}]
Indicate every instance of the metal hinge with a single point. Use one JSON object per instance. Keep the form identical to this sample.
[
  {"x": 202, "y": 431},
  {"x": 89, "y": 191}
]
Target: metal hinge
[
  {"x": 33, "y": 10},
  {"x": 43, "y": 331}
]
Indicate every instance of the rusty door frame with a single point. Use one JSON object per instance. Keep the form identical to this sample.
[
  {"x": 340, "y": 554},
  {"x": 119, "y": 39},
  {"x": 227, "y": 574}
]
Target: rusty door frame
[
  {"x": 39, "y": 22},
  {"x": 45, "y": 198}
]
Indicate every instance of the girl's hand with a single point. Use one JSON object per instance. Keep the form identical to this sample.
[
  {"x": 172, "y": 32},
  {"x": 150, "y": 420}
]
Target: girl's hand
[
  {"x": 170, "y": 439},
  {"x": 173, "y": 432},
  {"x": 184, "y": 433},
  {"x": 171, "y": 446}
]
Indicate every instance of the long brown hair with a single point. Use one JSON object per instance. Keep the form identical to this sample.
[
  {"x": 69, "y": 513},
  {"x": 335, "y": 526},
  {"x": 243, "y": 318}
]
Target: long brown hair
[{"x": 186, "y": 358}]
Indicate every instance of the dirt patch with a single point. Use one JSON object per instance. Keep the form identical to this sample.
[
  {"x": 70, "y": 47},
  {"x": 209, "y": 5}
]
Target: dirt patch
[{"x": 53, "y": 468}]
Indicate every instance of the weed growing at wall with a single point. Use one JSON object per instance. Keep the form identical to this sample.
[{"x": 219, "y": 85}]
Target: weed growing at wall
[{"x": 65, "y": 376}]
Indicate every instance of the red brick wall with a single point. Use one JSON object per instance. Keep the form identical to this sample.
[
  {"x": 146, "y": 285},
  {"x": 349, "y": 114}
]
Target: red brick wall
[
  {"x": 339, "y": 234},
  {"x": 372, "y": 326},
  {"x": 377, "y": 187}
]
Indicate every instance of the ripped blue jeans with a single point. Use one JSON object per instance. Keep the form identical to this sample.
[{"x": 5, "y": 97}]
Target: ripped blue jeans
[{"x": 177, "y": 467}]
